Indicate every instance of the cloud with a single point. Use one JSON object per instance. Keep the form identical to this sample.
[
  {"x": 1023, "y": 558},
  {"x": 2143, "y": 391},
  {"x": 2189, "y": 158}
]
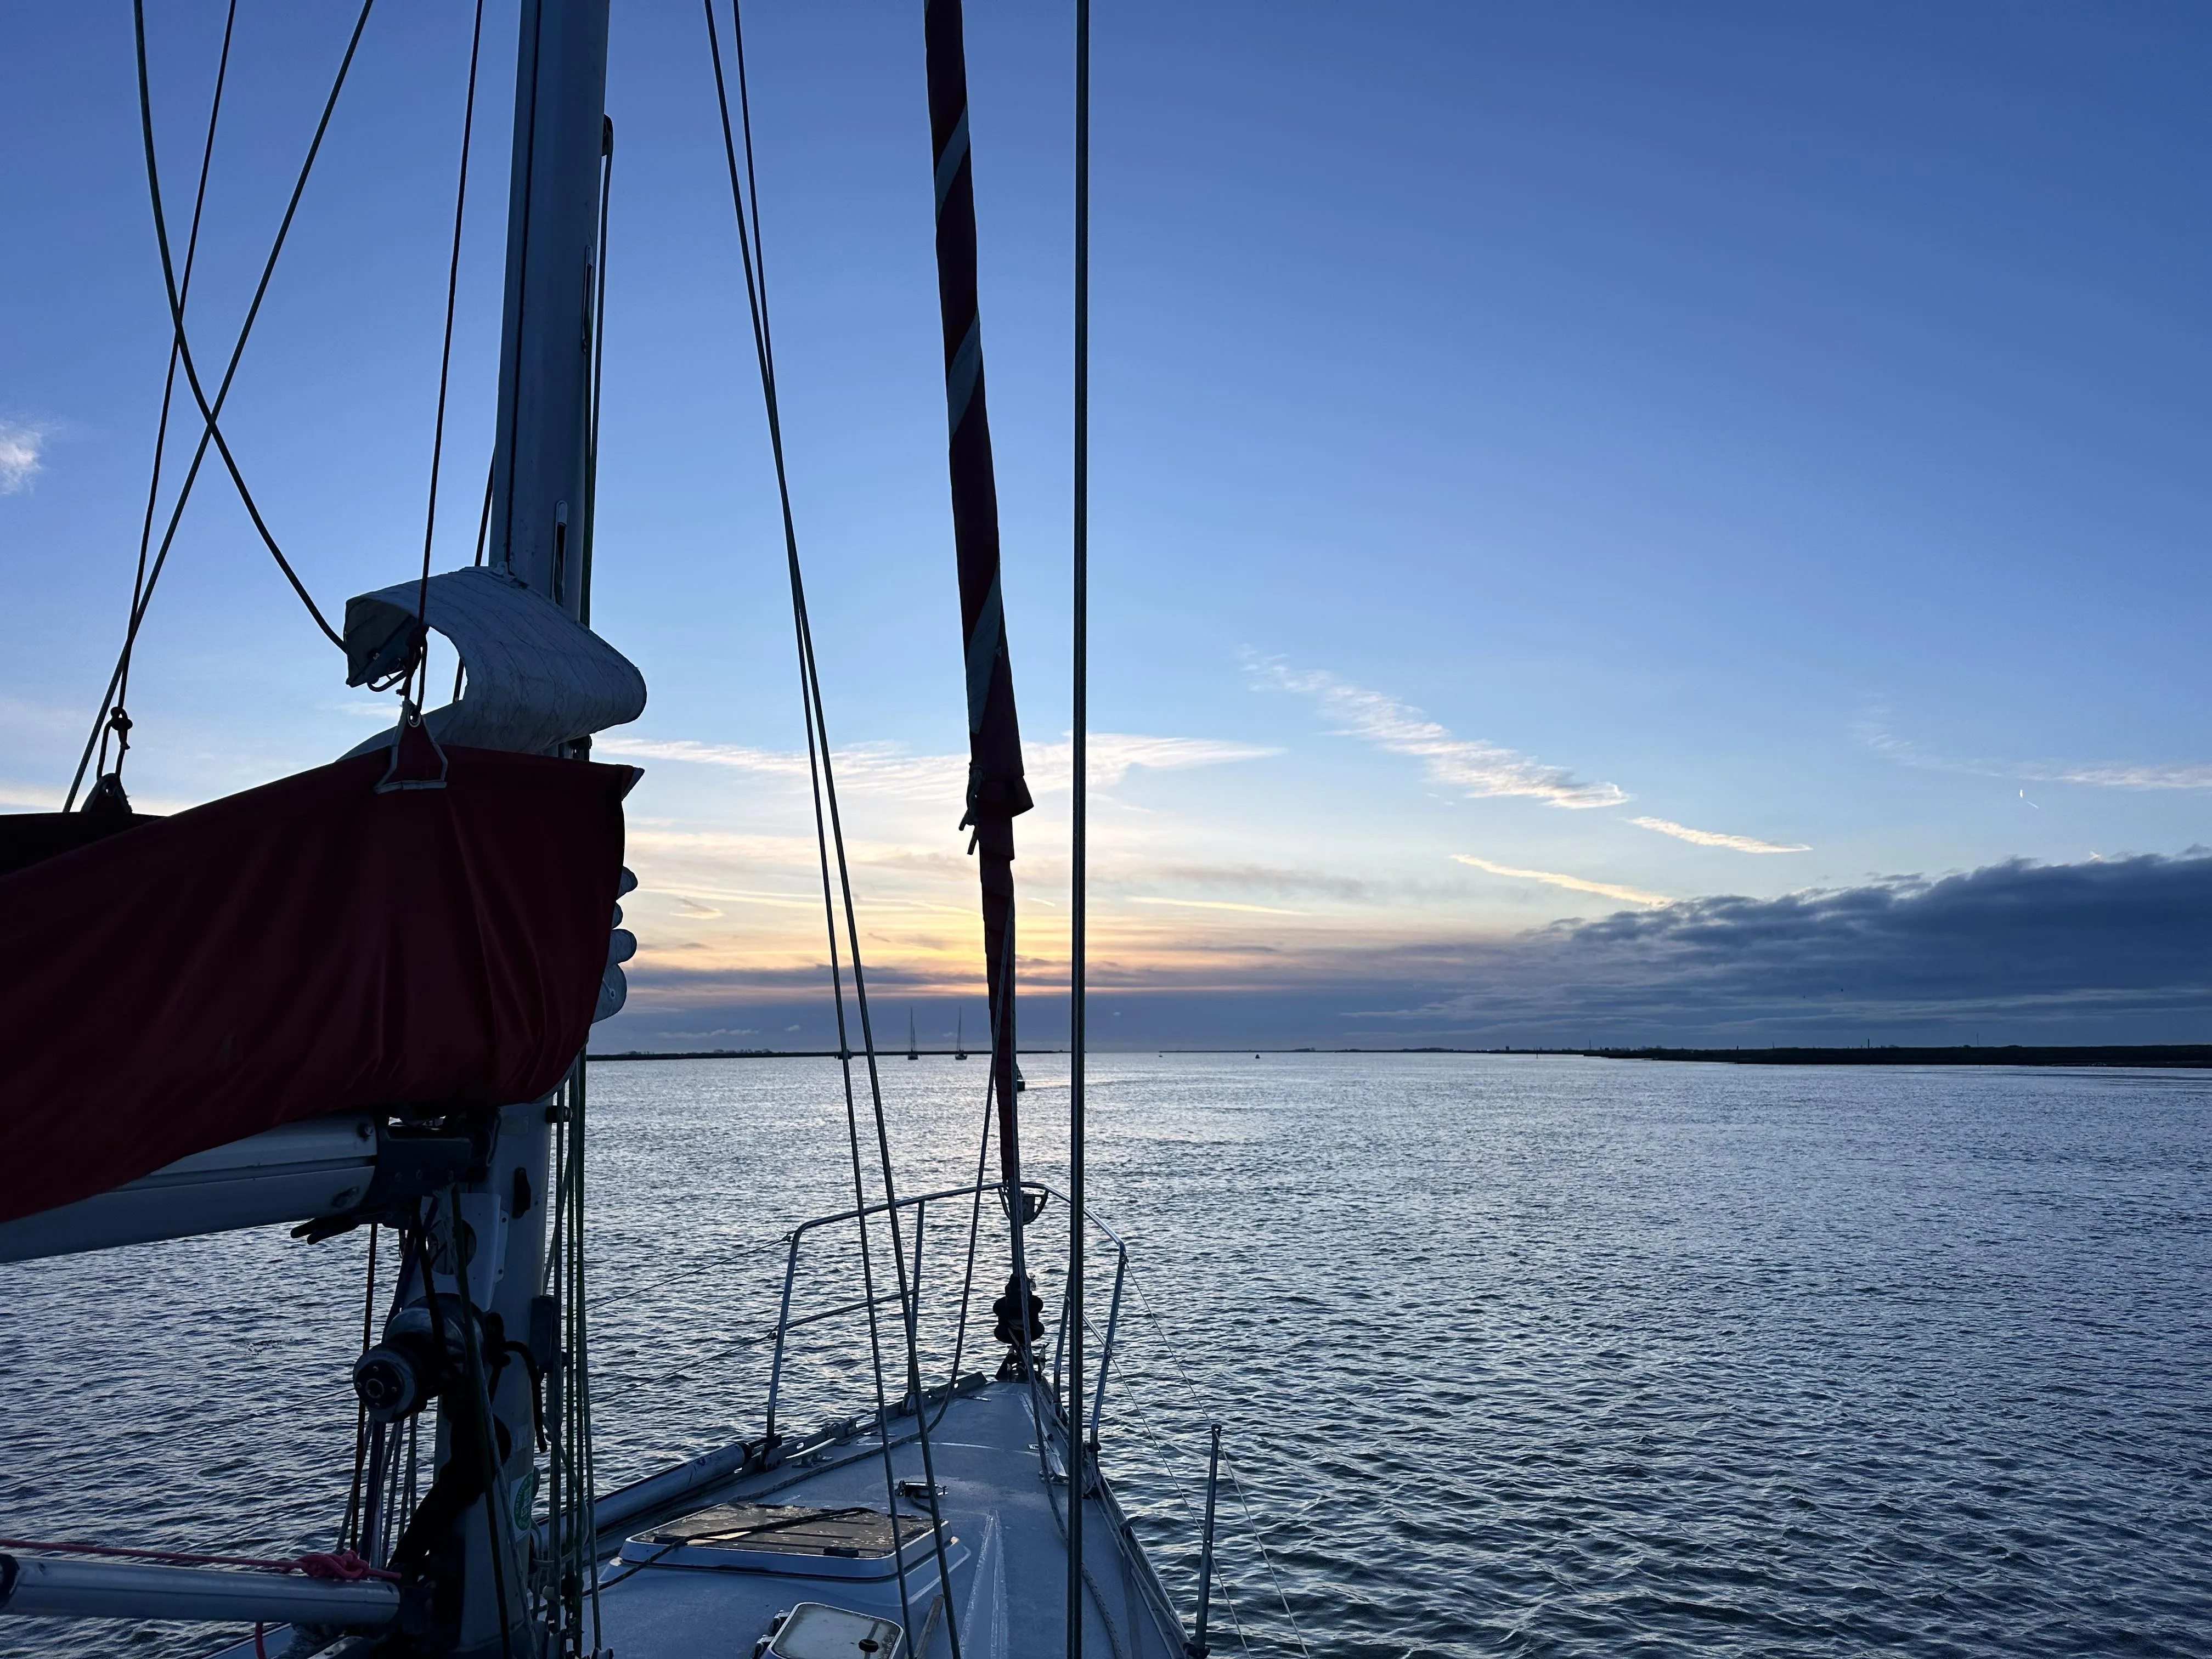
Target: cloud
[
  {"x": 1215, "y": 904},
  {"x": 1275, "y": 881},
  {"x": 2107, "y": 951},
  {"x": 20, "y": 446},
  {"x": 1715, "y": 838},
  {"x": 885, "y": 769},
  {"x": 1553, "y": 878},
  {"x": 1469, "y": 765},
  {"x": 774, "y": 762},
  {"x": 1114, "y": 754},
  {"x": 2099, "y": 774},
  {"x": 2112, "y": 942}
]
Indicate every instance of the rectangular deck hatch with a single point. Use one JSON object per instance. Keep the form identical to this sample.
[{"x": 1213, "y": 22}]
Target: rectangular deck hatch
[
  {"x": 812, "y": 1631},
  {"x": 849, "y": 1542}
]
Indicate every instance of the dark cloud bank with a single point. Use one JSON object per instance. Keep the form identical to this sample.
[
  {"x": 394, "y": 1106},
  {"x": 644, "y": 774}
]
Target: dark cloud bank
[{"x": 2112, "y": 951}]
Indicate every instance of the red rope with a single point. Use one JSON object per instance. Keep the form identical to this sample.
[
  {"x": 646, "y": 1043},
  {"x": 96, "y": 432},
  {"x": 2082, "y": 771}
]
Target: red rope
[{"x": 342, "y": 1566}]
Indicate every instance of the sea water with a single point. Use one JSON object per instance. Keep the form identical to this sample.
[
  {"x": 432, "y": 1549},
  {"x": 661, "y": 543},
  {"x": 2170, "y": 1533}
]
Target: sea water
[{"x": 1512, "y": 1355}]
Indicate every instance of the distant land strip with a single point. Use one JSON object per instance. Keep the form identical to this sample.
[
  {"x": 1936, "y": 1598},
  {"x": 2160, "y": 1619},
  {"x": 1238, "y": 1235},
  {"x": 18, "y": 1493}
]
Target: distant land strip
[
  {"x": 2148, "y": 1054},
  {"x": 2151, "y": 1054}
]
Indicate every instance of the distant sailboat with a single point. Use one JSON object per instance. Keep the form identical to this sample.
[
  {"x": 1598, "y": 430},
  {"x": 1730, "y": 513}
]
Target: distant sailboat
[
  {"x": 912, "y": 1052},
  {"x": 959, "y": 1036}
]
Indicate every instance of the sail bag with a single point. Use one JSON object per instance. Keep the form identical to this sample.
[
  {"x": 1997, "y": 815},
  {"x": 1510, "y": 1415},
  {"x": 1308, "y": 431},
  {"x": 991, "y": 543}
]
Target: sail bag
[{"x": 319, "y": 944}]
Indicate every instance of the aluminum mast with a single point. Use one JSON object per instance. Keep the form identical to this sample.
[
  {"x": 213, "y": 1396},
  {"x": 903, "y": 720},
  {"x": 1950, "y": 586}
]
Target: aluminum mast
[{"x": 542, "y": 491}]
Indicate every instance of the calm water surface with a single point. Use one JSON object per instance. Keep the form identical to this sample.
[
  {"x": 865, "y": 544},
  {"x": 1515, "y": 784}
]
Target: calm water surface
[{"x": 1515, "y": 1356}]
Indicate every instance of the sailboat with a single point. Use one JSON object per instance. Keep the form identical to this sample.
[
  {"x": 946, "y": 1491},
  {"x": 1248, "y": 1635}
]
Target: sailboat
[
  {"x": 912, "y": 1051},
  {"x": 360, "y": 997},
  {"x": 959, "y": 1036}
]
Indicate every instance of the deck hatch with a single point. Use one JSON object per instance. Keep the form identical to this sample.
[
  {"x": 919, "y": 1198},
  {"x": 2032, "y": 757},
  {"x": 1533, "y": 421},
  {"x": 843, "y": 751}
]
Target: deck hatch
[
  {"x": 852, "y": 1542},
  {"x": 813, "y": 1630}
]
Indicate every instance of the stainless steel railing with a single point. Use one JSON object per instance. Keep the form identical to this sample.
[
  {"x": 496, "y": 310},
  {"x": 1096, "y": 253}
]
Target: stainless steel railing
[{"x": 919, "y": 1204}]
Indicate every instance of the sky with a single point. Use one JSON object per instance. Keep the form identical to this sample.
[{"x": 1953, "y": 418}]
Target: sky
[{"x": 1609, "y": 523}]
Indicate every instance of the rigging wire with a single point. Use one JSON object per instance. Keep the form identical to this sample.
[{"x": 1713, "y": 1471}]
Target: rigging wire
[
  {"x": 822, "y": 777},
  {"x": 484, "y": 531},
  {"x": 599, "y": 369},
  {"x": 445, "y": 361},
  {"x": 573, "y": 1479},
  {"x": 975, "y": 1207},
  {"x": 1077, "y": 1453},
  {"x": 756, "y": 289},
  {"x": 350, "y": 1533},
  {"x": 1243, "y": 1498},
  {"x": 118, "y": 721},
  {"x": 222, "y": 390},
  {"x": 184, "y": 344}
]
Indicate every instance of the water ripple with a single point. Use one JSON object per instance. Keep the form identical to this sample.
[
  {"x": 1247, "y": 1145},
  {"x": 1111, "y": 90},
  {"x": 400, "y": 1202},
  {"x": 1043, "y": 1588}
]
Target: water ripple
[{"x": 1515, "y": 1356}]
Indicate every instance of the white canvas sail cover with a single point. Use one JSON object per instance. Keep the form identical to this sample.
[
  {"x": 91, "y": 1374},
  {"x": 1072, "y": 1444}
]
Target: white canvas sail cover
[{"x": 535, "y": 676}]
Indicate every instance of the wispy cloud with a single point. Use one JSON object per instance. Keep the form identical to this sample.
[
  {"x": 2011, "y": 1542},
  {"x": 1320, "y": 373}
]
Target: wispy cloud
[
  {"x": 1553, "y": 878},
  {"x": 20, "y": 446},
  {"x": 2101, "y": 774},
  {"x": 1273, "y": 880},
  {"x": 1715, "y": 838},
  {"x": 1114, "y": 754},
  {"x": 1215, "y": 904},
  {"x": 885, "y": 769},
  {"x": 738, "y": 756},
  {"x": 1470, "y": 765}
]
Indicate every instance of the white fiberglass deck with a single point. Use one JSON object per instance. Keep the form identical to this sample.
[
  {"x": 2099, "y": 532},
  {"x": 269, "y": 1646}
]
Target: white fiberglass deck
[{"x": 1004, "y": 1543}]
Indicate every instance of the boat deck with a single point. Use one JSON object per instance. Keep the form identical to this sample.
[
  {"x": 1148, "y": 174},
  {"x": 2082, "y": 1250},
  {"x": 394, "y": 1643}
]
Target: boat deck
[
  {"x": 1003, "y": 1511},
  {"x": 713, "y": 1569}
]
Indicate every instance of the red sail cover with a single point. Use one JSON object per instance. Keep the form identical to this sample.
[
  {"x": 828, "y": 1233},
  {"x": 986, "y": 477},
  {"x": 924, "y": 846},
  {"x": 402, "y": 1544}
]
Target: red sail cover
[{"x": 307, "y": 947}]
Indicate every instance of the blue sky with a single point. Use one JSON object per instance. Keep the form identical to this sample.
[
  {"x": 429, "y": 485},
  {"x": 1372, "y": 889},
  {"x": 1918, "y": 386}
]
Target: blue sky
[{"x": 1517, "y": 431}]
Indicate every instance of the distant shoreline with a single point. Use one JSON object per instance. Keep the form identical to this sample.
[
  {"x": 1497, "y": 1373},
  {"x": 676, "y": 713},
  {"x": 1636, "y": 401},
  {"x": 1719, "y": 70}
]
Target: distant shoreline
[{"x": 2152, "y": 1055}]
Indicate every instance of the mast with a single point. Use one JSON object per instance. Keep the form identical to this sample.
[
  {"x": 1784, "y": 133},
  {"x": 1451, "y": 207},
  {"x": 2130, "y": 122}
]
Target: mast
[
  {"x": 541, "y": 470},
  {"x": 997, "y": 792},
  {"x": 479, "y": 1559}
]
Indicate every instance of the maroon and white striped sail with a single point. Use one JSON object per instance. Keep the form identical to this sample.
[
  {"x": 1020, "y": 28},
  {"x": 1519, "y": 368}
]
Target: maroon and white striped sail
[{"x": 997, "y": 792}]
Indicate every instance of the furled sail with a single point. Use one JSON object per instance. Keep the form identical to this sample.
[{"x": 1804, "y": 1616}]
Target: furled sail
[
  {"x": 320, "y": 943},
  {"x": 997, "y": 792}
]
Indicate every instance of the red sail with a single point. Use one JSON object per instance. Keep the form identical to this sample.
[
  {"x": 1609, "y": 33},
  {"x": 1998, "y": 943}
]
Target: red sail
[{"x": 307, "y": 947}]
